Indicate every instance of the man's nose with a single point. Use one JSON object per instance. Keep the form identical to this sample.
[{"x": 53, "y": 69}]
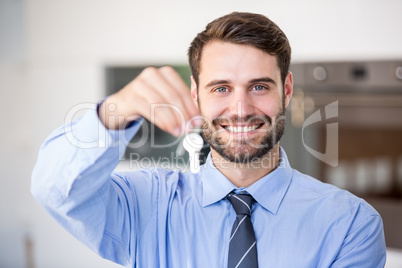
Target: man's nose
[{"x": 241, "y": 104}]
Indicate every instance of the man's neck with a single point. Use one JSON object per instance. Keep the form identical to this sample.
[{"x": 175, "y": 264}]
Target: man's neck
[{"x": 245, "y": 174}]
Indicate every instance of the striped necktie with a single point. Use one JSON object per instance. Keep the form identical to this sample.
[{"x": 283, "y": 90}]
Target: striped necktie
[{"x": 242, "y": 245}]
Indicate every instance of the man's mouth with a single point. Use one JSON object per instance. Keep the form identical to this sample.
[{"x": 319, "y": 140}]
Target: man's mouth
[{"x": 242, "y": 129}]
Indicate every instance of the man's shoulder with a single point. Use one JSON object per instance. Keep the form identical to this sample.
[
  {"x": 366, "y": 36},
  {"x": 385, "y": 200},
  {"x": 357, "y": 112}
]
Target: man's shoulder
[
  {"x": 312, "y": 184},
  {"x": 330, "y": 197}
]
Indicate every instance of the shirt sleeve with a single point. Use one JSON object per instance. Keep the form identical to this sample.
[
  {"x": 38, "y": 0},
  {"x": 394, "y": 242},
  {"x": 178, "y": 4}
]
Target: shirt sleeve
[
  {"x": 73, "y": 181},
  {"x": 364, "y": 245}
]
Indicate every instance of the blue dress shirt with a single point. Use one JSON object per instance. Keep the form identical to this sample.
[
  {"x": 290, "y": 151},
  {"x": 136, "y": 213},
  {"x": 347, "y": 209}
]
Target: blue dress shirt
[{"x": 162, "y": 218}]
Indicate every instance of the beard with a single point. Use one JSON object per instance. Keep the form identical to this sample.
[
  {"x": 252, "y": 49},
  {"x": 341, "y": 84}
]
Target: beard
[{"x": 244, "y": 149}]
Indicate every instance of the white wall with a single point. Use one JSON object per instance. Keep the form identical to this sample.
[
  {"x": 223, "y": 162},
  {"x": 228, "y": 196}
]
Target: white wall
[{"x": 52, "y": 55}]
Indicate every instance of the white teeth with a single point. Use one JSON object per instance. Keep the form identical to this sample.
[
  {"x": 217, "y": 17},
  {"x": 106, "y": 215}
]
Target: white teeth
[{"x": 241, "y": 129}]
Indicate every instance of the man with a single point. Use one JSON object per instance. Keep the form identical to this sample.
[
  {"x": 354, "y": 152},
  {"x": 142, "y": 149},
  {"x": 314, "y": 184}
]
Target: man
[{"x": 245, "y": 208}]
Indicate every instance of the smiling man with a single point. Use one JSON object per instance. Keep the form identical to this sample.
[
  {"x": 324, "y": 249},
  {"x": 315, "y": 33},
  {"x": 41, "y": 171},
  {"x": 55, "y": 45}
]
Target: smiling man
[
  {"x": 242, "y": 98},
  {"x": 246, "y": 207}
]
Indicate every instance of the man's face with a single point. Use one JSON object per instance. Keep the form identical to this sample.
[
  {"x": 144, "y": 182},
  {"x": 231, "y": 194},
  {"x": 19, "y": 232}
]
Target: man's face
[{"x": 242, "y": 100}]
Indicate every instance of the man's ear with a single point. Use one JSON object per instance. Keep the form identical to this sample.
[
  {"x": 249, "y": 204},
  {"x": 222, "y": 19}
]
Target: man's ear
[
  {"x": 194, "y": 93},
  {"x": 288, "y": 88}
]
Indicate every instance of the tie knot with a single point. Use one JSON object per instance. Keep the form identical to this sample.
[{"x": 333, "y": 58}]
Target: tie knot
[{"x": 241, "y": 203}]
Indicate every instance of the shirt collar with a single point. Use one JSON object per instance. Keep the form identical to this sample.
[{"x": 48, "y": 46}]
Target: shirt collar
[
  {"x": 215, "y": 186},
  {"x": 269, "y": 191}
]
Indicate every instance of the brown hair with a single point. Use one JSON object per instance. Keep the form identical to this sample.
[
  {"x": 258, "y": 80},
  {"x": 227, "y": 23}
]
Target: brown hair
[{"x": 244, "y": 29}]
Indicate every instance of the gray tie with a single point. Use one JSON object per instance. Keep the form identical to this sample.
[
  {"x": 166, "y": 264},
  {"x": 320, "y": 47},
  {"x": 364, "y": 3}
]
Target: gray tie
[{"x": 242, "y": 245}]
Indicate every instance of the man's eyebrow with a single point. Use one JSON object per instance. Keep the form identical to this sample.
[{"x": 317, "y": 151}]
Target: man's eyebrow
[
  {"x": 263, "y": 80},
  {"x": 217, "y": 82}
]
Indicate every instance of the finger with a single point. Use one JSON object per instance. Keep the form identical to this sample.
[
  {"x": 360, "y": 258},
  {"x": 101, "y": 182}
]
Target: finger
[
  {"x": 154, "y": 78},
  {"x": 157, "y": 109},
  {"x": 160, "y": 116}
]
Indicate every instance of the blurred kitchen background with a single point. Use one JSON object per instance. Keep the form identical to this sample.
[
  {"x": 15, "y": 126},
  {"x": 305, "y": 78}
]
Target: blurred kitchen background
[{"x": 57, "y": 54}]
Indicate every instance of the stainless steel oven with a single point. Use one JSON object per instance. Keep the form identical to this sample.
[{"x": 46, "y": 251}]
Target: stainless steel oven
[{"x": 345, "y": 127}]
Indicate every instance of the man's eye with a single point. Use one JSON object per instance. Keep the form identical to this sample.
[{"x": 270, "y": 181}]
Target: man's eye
[
  {"x": 221, "y": 89},
  {"x": 259, "y": 88}
]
